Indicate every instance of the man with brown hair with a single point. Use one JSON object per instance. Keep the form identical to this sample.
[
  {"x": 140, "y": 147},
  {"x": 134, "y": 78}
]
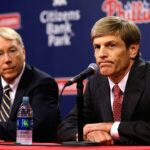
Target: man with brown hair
[{"x": 117, "y": 101}]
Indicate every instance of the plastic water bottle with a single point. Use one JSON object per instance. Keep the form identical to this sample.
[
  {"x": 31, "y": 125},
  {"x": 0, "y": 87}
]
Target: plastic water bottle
[{"x": 24, "y": 123}]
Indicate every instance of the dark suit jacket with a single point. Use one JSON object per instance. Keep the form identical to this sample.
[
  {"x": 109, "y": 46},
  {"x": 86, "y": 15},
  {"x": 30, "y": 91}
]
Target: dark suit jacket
[
  {"x": 43, "y": 94},
  {"x": 135, "y": 123}
]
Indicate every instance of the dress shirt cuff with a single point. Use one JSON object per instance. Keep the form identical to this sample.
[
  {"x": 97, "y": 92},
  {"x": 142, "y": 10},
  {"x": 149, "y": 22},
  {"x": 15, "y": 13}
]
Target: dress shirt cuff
[{"x": 114, "y": 131}]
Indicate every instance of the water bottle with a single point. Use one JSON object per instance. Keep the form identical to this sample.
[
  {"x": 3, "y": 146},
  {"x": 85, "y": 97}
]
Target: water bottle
[{"x": 24, "y": 123}]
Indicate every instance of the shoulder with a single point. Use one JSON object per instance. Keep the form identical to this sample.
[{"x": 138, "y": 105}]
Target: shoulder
[
  {"x": 97, "y": 80},
  {"x": 140, "y": 67},
  {"x": 140, "y": 64},
  {"x": 34, "y": 79},
  {"x": 36, "y": 75},
  {"x": 140, "y": 71},
  {"x": 35, "y": 72}
]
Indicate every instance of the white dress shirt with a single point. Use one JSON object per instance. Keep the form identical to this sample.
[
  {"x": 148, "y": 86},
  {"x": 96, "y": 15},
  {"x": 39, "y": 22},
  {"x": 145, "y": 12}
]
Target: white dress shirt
[
  {"x": 122, "y": 84},
  {"x": 13, "y": 86}
]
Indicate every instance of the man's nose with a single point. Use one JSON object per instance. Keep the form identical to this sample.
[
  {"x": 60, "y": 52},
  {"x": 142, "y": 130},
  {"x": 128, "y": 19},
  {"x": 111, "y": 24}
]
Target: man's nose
[
  {"x": 7, "y": 58},
  {"x": 103, "y": 52}
]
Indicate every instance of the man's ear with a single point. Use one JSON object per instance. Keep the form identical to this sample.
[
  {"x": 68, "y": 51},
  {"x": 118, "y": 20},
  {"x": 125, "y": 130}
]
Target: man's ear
[{"x": 133, "y": 49}]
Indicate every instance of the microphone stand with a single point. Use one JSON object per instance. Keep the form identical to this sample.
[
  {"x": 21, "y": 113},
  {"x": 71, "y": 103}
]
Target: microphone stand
[
  {"x": 80, "y": 109},
  {"x": 80, "y": 141}
]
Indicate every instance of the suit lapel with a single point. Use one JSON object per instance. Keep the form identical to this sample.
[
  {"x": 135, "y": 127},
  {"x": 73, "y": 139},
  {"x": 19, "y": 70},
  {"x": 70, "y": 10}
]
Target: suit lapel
[
  {"x": 134, "y": 89},
  {"x": 1, "y": 92},
  {"x": 21, "y": 91},
  {"x": 17, "y": 101},
  {"x": 105, "y": 104}
]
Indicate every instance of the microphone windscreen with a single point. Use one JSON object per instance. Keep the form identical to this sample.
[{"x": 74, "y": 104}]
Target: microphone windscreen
[{"x": 95, "y": 67}]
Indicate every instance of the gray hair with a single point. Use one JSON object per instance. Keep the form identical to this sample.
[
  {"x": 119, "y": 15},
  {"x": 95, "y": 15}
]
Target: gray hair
[{"x": 11, "y": 34}]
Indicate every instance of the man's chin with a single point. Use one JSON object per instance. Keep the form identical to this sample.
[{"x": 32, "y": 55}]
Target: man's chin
[
  {"x": 106, "y": 71},
  {"x": 107, "y": 74},
  {"x": 9, "y": 79}
]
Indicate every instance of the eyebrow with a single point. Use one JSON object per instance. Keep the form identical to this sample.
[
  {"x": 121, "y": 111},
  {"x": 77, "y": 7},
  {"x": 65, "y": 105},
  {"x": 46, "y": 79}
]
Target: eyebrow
[
  {"x": 12, "y": 46},
  {"x": 105, "y": 42}
]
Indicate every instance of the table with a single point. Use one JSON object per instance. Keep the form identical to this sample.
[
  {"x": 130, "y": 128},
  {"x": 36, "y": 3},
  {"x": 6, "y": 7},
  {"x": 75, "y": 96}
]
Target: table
[{"x": 55, "y": 146}]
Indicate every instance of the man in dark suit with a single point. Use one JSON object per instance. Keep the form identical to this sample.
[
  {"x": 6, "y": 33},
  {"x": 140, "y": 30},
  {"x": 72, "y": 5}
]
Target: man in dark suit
[
  {"x": 116, "y": 44},
  {"x": 26, "y": 80}
]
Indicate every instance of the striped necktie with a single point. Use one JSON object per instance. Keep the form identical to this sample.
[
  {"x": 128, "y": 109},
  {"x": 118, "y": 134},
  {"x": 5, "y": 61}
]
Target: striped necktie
[{"x": 5, "y": 105}]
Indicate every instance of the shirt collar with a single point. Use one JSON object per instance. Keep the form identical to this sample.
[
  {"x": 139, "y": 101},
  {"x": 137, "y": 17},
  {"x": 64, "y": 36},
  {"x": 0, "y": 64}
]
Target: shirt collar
[
  {"x": 16, "y": 81},
  {"x": 121, "y": 84}
]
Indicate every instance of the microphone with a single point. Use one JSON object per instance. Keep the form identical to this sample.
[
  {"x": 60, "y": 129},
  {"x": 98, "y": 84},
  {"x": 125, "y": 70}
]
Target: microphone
[{"x": 92, "y": 69}]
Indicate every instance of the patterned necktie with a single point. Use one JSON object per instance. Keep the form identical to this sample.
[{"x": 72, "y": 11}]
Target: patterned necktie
[
  {"x": 5, "y": 105},
  {"x": 117, "y": 104}
]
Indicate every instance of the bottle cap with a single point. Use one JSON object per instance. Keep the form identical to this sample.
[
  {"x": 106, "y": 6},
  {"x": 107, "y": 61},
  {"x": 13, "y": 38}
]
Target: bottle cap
[{"x": 25, "y": 99}]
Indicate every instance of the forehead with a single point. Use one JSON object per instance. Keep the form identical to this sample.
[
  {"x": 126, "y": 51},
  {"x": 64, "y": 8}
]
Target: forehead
[{"x": 107, "y": 38}]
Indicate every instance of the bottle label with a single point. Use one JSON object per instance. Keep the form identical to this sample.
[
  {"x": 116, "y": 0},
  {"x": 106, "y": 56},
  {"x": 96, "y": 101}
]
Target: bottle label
[{"x": 24, "y": 123}]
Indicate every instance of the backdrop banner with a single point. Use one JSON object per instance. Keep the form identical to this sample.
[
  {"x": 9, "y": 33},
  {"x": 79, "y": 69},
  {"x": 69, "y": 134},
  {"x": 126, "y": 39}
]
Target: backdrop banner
[{"x": 56, "y": 33}]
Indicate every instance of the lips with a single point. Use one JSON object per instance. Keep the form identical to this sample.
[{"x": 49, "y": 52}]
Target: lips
[
  {"x": 8, "y": 69},
  {"x": 105, "y": 63}
]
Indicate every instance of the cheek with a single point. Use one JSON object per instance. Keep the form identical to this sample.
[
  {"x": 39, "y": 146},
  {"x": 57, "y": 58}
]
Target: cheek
[
  {"x": 122, "y": 63},
  {"x": 96, "y": 55},
  {"x": 121, "y": 57},
  {"x": 1, "y": 65},
  {"x": 18, "y": 59}
]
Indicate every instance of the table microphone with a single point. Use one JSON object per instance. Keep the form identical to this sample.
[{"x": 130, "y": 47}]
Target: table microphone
[{"x": 92, "y": 69}]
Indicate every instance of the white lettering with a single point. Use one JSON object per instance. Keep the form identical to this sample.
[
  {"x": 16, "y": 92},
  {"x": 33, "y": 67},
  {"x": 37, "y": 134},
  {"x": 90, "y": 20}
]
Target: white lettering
[
  {"x": 8, "y": 21},
  {"x": 59, "y": 3},
  {"x": 59, "y": 40},
  {"x": 58, "y": 28},
  {"x": 56, "y": 16}
]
